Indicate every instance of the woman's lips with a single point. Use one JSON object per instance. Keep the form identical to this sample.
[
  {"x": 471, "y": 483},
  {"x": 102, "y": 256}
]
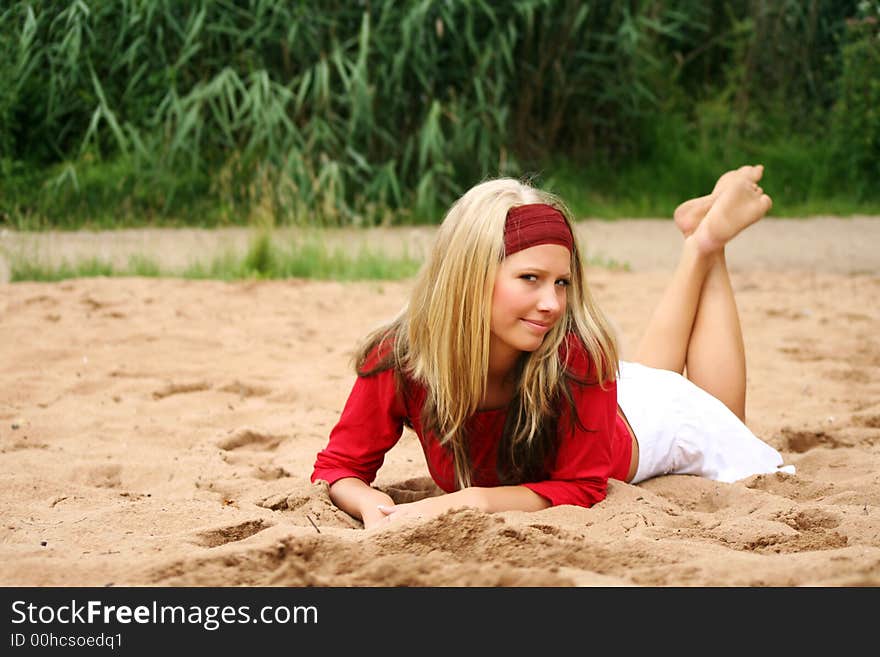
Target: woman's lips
[{"x": 537, "y": 326}]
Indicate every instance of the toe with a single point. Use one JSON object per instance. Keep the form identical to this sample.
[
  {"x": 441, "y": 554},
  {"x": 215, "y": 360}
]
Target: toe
[{"x": 752, "y": 172}]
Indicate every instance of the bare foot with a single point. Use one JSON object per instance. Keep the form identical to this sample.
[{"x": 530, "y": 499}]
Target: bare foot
[
  {"x": 750, "y": 172},
  {"x": 689, "y": 214},
  {"x": 739, "y": 205}
]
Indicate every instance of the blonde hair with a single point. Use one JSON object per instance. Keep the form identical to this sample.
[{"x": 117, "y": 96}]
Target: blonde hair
[{"x": 441, "y": 337}]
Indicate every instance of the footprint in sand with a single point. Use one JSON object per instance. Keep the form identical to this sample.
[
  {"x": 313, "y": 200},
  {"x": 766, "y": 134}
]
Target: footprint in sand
[
  {"x": 805, "y": 440},
  {"x": 41, "y": 299},
  {"x": 802, "y": 355},
  {"x": 250, "y": 439},
  {"x": 805, "y": 530},
  {"x": 245, "y": 389},
  {"x": 223, "y": 535},
  {"x": 870, "y": 421},
  {"x": 853, "y": 375},
  {"x": 269, "y": 473},
  {"x": 801, "y": 542},
  {"x": 792, "y": 487},
  {"x": 23, "y": 444},
  {"x": 866, "y": 355},
  {"x": 789, "y": 314},
  {"x": 101, "y": 476},
  {"x": 808, "y": 519},
  {"x": 180, "y": 388},
  {"x": 97, "y": 304}
]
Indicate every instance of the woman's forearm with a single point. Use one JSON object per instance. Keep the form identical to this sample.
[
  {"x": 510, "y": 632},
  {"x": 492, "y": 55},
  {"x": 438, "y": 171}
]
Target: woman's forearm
[
  {"x": 505, "y": 498},
  {"x": 362, "y": 501},
  {"x": 358, "y": 499}
]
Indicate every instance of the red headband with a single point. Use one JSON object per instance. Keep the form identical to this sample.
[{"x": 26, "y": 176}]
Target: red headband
[{"x": 533, "y": 224}]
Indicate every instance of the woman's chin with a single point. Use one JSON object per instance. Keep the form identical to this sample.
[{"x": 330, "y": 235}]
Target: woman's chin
[{"x": 530, "y": 345}]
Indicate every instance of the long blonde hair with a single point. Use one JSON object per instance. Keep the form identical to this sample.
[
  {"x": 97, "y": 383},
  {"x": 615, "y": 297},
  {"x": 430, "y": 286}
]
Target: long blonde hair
[{"x": 441, "y": 337}]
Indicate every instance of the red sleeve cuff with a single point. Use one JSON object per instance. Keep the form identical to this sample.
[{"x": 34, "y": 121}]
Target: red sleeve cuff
[{"x": 584, "y": 493}]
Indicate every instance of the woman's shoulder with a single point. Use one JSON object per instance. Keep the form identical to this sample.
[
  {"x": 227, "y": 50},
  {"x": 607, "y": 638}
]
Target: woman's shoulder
[
  {"x": 380, "y": 360},
  {"x": 376, "y": 357},
  {"x": 376, "y": 368},
  {"x": 377, "y": 353}
]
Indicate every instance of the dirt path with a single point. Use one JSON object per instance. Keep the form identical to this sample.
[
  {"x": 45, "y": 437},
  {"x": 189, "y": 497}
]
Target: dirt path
[{"x": 822, "y": 244}]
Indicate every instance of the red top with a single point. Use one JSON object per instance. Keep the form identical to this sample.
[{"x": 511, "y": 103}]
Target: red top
[{"x": 373, "y": 419}]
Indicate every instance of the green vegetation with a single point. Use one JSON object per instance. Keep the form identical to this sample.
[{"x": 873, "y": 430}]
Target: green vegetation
[
  {"x": 797, "y": 178},
  {"x": 354, "y": 114},
  {"x": 264, "y": 259},
  {"x": 311, "y": 258}
]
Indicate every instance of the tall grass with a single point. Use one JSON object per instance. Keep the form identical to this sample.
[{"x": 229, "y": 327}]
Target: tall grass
[{"x": 341, "y": 113}]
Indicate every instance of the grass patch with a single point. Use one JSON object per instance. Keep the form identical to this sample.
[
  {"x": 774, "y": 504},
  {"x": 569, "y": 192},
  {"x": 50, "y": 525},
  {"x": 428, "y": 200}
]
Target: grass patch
[
  {"x": 24, "y": 269},
  {"x": 310, "y": 258},
  {"x": 264, "y": 259},
  {"x": 606, "y": 262}
]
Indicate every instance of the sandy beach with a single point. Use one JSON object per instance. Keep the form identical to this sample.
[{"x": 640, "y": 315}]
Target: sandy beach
[{"x": 162, "y": 431}]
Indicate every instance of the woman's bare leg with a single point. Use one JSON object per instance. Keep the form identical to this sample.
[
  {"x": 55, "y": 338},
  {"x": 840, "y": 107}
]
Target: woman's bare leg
[
  {"x": 716, "y": 355},
  {"x": 696, "y": 323},
  {"x": 665, "y": 342}
]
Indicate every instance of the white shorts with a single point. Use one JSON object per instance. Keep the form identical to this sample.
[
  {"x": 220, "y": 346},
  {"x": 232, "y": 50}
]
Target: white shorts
[{"x": 682, "y": 429}]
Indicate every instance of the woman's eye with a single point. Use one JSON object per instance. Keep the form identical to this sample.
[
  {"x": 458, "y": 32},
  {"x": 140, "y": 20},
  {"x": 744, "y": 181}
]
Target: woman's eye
[
  {"x": 529, "y": 277},
  {"x": 563, "y": 282}
]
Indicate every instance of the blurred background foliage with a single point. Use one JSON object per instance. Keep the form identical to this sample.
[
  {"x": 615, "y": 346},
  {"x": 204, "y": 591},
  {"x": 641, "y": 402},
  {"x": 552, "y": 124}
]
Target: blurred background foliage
[{"x": 336, "y": 112}]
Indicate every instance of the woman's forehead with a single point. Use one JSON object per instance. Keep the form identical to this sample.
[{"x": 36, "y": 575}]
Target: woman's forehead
[{"x": 547, "y": 257}]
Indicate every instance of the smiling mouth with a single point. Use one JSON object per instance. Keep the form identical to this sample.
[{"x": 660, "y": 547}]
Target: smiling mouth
[{"x": 541, "y": 326}]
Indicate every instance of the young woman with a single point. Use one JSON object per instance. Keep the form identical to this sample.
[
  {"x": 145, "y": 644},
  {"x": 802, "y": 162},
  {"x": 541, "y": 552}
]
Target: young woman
[{"x": 508, "y": 372}]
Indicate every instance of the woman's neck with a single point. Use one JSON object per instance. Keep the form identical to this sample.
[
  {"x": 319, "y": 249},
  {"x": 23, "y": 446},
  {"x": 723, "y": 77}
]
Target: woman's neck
[
  {"x": 501, "y": 378},
  {"x": 502, "y": 362}
]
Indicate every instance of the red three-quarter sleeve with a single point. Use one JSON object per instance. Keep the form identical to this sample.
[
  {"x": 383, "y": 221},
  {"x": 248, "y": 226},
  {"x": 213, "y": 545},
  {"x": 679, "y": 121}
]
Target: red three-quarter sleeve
[
  {"x": 583, "y": 462},
  {"x": 370, "y": 425},
  {"x": 585, "y": 457}
]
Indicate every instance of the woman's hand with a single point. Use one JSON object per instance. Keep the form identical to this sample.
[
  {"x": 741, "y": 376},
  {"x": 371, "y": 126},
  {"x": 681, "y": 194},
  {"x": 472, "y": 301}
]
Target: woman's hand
[
  {"x": 358, "y": 499},
  {"x": 374, "y": 517},
  {"x": 430, "y": 507}
]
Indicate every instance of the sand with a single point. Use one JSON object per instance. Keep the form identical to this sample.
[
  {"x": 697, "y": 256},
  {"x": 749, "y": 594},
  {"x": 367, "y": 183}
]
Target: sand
[{"x": 162, "y": 432}]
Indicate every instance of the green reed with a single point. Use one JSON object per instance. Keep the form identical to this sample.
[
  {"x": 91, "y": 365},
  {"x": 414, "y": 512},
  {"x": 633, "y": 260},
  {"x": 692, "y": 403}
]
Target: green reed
[{"x": 355, "y": 114}]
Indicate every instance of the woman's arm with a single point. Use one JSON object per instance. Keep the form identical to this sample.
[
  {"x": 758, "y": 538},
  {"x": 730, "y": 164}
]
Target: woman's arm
[
  {"x": 491, "y": 500},
  {"x": 358, "y": 499},
  {"x": 508, "y": 498},
  {"x": 370, "y": 425}
]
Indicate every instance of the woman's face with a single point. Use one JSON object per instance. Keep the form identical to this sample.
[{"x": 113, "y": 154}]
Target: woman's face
[{"x": 529, "y": 298}]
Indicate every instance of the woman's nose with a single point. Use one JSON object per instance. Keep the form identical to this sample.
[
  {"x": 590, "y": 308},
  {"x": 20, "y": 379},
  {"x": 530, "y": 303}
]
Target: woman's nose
[{"x": 549, "y": 299}]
